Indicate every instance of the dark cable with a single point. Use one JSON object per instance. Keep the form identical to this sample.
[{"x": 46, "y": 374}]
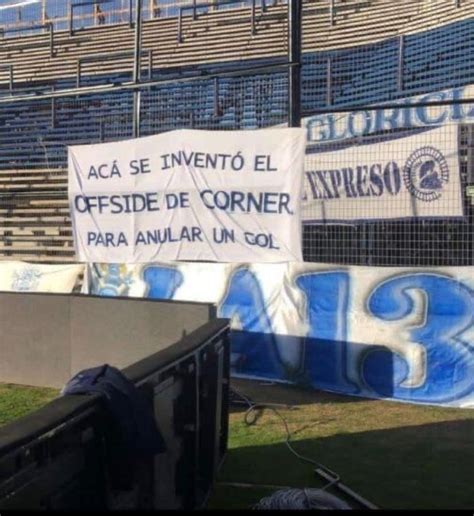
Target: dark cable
[{"x": 250, "y": 418}]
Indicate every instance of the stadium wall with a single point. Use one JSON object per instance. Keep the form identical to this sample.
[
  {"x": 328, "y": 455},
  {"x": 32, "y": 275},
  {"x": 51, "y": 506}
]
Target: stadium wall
[{"x": 47, "y": 338}]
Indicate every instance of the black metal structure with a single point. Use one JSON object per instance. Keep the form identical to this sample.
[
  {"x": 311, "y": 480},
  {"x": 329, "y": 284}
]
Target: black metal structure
[
  {"x": 294, "y": 56},
  {"x": 137, "y": 68},
  {"x": 57, "y": 458}
]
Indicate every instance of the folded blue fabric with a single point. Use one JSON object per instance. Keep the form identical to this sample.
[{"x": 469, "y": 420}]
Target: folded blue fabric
[{"x": 127, "y": 406}]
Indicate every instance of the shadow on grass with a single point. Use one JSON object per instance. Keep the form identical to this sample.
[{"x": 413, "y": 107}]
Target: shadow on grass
[
  {"x": 428, "y": 466},
  {"x": 285, "y": 394}
]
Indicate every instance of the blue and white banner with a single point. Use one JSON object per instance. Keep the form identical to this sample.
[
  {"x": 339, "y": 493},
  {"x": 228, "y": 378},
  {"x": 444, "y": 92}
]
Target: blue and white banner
[
  {"x": 227, "y": 196},
  {"x": 35, "y": 277},
  {"x": 415, "y": 176},
  {"x": 396, "y": 333},
  {"x": 335, "y": 127}
]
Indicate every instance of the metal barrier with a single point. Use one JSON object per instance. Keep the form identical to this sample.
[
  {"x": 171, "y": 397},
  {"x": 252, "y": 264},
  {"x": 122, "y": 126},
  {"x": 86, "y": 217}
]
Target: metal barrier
[
  {"x": 59, "y": 457},
  {"x": 216, "y": 4},
  {"x": 49, "y": 26},
  {"x": 9, "y": 68},
  {"x": 401, "y": 62},
  {"x": 111, "y": 56},
  {"x": 90, "y": 2},
  {"x": 152, "y": 9}
]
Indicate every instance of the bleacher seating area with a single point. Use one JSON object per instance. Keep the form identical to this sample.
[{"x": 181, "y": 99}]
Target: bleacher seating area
[{"x": 362, "y": 47}]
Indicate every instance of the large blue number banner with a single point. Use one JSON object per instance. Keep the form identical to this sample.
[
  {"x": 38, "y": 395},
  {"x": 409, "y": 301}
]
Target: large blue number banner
[{"x": 396, "y": 333}]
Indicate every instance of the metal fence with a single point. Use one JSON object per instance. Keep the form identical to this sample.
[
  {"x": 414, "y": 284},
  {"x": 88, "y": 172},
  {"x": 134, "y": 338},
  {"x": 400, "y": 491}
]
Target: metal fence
[
  {"x": 365, "y": 236},
  {"x": 33, "y": 158},
  {"x": 16, "y": 14},
  {"x": 34, "y": 136}
]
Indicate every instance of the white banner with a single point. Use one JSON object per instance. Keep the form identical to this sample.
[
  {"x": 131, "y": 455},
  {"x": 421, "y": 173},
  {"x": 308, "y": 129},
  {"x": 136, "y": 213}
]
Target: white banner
[
  {"x": 414, "y": 176},
  {"x": 333, "y": 127},
  {"x": 34, "y": 277},
  {"x": 385, "y": 332},
  {"x": 225, "y": 196}
]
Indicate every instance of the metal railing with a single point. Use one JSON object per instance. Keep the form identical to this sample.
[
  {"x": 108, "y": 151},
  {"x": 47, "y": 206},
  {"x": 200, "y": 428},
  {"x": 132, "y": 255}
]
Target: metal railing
[
  {"x": 332, "y": 8},
  {"x": 401, "y": 62},
  {"x": 112, "y": 56},
  {"x": 400, "y": 70},
  {"x": 9, "y": 68},
  {"x": 293, "y": 62},
  {"x": 329, "y": 81},
  {"x": 194, "y": 7},
  {"x": 152, "y": 9},
  {"x": 37, "y": 93},
  {"x": 72, "y": 7},
  {"x": 49, "y": 26}
]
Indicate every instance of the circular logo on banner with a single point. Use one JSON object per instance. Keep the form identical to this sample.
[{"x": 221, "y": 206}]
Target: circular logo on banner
[{"x": 425, "y": 173}]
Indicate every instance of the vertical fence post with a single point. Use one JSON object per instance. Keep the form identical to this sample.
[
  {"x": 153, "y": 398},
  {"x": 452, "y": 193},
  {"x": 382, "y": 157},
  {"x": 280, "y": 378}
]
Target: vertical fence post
[
  {"x": 130, "y": 13},
  {"x": 43, "y": 12},
  {"x": 51, "y": 39},
  {"x": 150, "y": 64},
  {"x": 470, "y": 153},
  {"x": 137, "y": 69},
  {"x": 264, "y": 6},
  {"x": 180, "y": 25},
  {"x": 137, "y": 100},
  {"x": 78, "y": 74},
  {"x": 71, "y": 15},
  {"x": 331, "y": 12},
  {"x": 294, "y": 56},
  {"x": 53, "y": 110},
  {"x": 101, "y": 130},
  {"x": 194, "y": 10},
  {"x": 11, "y": 78},
  {"x": 329, "y": 81},
  {"x": 216, "y": 97},
  {"x": 138, "y": 42},
  {"x": 401, "y": 62},
  {"x": 253, "y": 18}
]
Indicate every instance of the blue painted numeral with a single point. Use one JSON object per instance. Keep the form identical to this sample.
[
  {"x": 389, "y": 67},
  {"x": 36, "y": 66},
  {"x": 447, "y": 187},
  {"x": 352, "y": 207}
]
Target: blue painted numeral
[
  {"x": 449, "y": 363},
  {"x": 325, "y": 354},
  {"x": 256, "y": 342}
]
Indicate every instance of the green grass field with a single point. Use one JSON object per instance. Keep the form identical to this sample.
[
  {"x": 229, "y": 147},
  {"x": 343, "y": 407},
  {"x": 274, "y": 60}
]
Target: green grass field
[
  {"x": 18, "y": 400},
  {"x": 397, "y": 456}
]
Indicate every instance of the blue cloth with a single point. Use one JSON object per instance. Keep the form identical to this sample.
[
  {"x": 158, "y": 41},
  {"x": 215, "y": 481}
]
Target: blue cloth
[{"x": 134, "y": 424}]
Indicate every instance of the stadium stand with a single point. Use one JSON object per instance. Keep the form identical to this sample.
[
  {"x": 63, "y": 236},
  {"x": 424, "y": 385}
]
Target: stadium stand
[
  {"x": 218, "y": 37},
  {"x": 353, "y": 61}
]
